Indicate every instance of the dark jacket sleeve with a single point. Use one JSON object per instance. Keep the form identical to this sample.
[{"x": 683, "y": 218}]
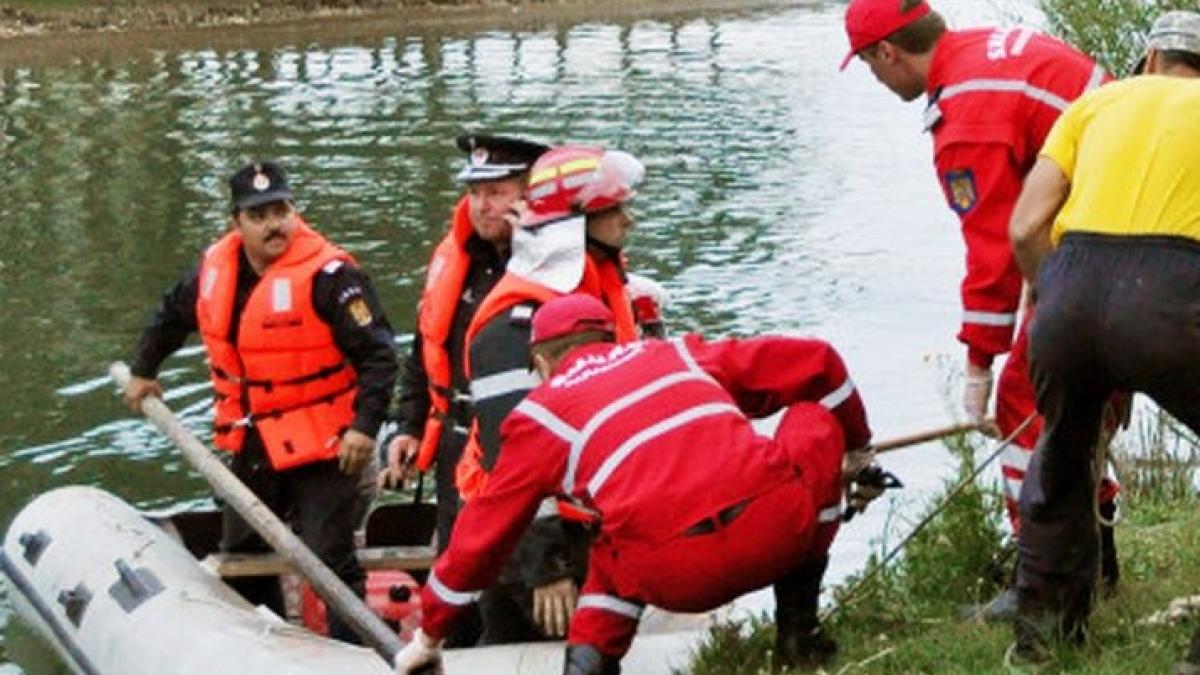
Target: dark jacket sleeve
[
  {"x": 500, "y": 379},
  {"x": 345, "y": 299},
  {"x": 412, "y": 395},
  {"x": 168, "y": 327}
]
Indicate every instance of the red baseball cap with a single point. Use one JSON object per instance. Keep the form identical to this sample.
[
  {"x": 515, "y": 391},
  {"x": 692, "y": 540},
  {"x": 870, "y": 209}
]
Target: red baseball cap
[
  {"x": 570, "y": 314},
  {"x": 869, "y": 21}
]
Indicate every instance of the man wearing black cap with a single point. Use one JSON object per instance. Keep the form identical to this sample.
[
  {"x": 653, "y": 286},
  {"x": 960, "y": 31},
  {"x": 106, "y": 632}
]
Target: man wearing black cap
[
  {"x": 302, "y": 367},
  {"x": 433, "y": 409}
]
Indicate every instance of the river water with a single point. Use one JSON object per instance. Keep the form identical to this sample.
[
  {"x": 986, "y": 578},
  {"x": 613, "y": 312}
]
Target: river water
[{"x": 782, "y": 196}]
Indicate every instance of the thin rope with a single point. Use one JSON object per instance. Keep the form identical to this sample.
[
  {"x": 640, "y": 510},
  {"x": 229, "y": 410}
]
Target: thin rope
[{"x": 862, "y": 583}]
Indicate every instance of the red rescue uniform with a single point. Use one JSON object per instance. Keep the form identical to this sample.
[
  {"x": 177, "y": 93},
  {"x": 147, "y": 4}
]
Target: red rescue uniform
[
  {"x": 993, "y": 94},
  {"x": 695, "y": 506}
]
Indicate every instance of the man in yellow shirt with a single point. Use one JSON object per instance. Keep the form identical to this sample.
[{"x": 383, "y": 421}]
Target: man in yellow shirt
[{"x": 1107, "y": 230}]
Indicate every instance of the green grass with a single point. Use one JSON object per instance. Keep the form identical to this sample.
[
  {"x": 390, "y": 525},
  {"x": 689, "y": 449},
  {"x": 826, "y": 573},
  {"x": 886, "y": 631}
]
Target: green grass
[{"x": 907, "y": 618}]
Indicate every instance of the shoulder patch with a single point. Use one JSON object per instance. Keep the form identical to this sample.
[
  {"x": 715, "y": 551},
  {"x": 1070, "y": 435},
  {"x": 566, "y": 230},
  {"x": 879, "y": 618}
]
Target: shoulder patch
[
  {"x": 960, "y": 190},
  {"x": 333, "y": 266},
  {"x": 360, "y": 312}
]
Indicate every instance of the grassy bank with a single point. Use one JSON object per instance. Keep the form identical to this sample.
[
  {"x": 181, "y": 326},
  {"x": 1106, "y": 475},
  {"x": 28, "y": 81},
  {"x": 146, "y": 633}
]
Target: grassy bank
[{"x": 908, "y": 617}]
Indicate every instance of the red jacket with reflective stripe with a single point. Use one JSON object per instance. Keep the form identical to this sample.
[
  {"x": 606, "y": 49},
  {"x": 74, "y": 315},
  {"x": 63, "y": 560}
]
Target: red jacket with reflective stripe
[
  {"x": 285, "y": 371},
  {"x": 994, "y": 94},
  {"x": 653, "y": 435}
]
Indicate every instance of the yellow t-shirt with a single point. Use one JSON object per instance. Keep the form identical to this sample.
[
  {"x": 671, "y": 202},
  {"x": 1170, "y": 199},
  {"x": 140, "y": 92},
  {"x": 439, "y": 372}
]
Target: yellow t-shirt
[{"x": 1131, "y": 151}]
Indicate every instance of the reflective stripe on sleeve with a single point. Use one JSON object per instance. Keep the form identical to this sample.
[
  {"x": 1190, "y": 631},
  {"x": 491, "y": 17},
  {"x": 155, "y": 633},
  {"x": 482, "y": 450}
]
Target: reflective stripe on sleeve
[
  {"x": 990, "y": 318},
  {"x": 1097, "y": 78},
  {"x": 450, "y": 597},
  {"x": 838, "y": 396},
  {"x": 609, "y": 603},
  {"x": 501, "y": 384},
  {"x": 1011, "y": 86}
]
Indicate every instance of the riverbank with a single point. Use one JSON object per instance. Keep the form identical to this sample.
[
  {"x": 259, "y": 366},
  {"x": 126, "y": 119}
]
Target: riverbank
[
  {"x": 909, "y": 617},
  {"x": 45, "y": 32},
  {"x": 55, "y": 17}
]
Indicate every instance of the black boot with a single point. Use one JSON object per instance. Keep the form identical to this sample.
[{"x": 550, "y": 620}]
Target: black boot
[
  {"x": 800, "y": 642},
  {"x": 1110, "y": 569},
  {"x": 587, "y": 660}
]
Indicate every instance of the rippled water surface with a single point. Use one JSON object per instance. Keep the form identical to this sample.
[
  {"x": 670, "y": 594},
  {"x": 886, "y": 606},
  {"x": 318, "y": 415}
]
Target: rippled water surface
[{"x": 781, "y": 197}]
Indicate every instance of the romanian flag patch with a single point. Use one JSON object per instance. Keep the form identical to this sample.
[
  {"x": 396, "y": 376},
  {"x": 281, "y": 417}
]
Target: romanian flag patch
[{"x": 960, "y": 190}]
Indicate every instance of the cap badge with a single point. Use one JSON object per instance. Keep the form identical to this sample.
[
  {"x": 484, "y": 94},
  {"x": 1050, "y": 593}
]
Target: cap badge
[
  {"x": 261, "y": 182},
  {"x": 479, "y": 156}
]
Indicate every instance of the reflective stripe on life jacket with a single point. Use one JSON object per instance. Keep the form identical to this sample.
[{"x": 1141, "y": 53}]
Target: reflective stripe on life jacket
[
  {"x": 284, "y": 373},
  {"x": 444, "y": 281},
  {"x": 603, "y": 279}
]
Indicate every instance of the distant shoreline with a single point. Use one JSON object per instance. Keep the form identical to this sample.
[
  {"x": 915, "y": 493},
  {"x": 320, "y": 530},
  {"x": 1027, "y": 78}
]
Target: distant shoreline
[
  {"x": 31, "y": 18},
  {"x": 32, "y": 33}
]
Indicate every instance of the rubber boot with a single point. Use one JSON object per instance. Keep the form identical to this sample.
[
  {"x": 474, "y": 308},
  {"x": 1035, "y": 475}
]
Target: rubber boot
[
  {"x": 1110, "y": 569},
  {"x": 800, "y": 642},
  {"x": 587, "y": 660}
]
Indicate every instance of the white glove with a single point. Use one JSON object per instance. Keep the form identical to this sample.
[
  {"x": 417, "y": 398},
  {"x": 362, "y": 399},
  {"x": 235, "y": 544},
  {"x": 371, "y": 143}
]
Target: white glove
[
  {"x": 977, "y": 391},
  {"x": 423, "y": 655}
]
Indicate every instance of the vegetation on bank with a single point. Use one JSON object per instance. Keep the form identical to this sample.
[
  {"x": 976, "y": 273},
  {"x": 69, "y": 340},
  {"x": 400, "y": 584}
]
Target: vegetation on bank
[
  {"x": 909, "y": 617},
  {"x": 1112, "y": 31}
]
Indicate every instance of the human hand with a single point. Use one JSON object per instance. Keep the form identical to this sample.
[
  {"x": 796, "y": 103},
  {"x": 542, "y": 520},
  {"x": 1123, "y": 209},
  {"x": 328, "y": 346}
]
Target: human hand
[
  {"x": 553, "y": 605},
  {"x": 355, "y": 451},
  {"x": 137, "y": 389},
  {"x": 401, "y": 453},
  {"x": 422, "y": 656},
  {"x": 977, "y": 391}
]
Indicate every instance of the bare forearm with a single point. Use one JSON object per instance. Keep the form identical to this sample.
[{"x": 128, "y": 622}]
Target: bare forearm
[{"x": 1046, "y": 189}]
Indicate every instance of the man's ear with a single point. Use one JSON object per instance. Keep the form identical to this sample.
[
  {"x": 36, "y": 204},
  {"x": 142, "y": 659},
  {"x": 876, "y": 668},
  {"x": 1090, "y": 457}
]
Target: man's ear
[
  {"x": 542, "y": 366},
  {"x": 887, "y": 52}
]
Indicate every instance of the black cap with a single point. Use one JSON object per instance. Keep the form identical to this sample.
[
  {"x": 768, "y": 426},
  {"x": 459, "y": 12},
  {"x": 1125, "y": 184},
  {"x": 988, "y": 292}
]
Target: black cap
[
  {"x": 257, "y": 184},
  {"x": 496, "y": 157}
]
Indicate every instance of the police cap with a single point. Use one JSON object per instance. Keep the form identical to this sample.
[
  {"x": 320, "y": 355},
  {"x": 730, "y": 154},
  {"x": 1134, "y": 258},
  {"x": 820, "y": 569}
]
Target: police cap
[
  {"x": 496, "y": 157},
  {"x": 259, "y": 183}
]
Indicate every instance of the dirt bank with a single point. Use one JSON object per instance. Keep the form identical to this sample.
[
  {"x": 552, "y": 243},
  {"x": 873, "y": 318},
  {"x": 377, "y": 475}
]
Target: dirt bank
[
  {"x": 33, "y": 33},
  {"x": 33, "y": 17}
]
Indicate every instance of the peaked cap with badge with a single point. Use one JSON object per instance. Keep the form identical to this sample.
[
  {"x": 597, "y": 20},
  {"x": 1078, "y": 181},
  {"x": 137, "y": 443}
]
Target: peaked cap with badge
[
  {"x": 259, "y": 183},
  {"x": 496, "y": 157}
]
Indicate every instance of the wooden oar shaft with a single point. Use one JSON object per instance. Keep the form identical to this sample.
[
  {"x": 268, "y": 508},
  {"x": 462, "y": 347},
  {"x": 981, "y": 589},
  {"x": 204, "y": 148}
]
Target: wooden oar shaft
[
  {"x": 925, "y": 436},
  {"x": 332, "y": 590}
]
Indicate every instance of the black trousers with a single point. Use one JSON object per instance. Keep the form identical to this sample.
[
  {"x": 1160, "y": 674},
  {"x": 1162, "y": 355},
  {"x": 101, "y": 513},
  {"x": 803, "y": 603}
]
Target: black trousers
[
  {"x": 1114, "y": 313},
  {"x": 321, "y": 503},
  {"x": 551, "y": 549}
]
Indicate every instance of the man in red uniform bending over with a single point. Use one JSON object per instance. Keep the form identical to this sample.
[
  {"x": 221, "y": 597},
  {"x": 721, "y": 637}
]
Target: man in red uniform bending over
[
  {"x": 993, "y": 94},
  {"x": 692, "y": 506}
]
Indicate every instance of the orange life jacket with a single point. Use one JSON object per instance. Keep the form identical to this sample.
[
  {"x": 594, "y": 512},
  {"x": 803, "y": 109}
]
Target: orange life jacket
[
  {"x": 285, "y": 374},
  {"x": 601, "y": 278},
  {"x": 435, "y": 317}
]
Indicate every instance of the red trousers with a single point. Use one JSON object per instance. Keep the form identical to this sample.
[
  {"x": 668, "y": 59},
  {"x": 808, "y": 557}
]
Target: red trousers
[
  {"x": 699, "y": 571},
  {"x": 1016, "y": 400}
]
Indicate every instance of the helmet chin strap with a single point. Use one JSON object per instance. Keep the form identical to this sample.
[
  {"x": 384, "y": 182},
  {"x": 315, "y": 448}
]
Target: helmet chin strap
[{"x": 609, "y": 250}]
